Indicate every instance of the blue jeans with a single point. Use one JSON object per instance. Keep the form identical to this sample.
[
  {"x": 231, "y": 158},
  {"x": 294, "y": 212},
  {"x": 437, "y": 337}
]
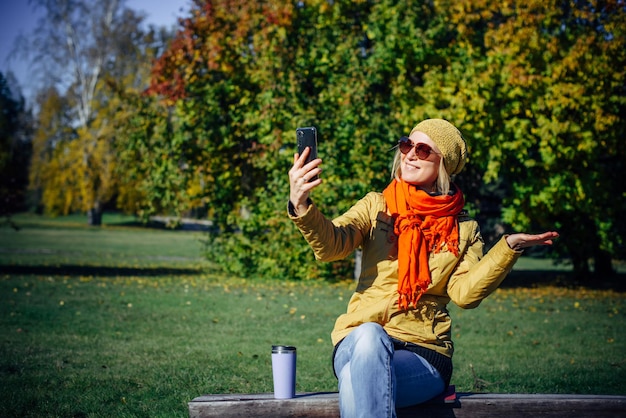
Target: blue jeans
[{"x": 374, "y": 378}]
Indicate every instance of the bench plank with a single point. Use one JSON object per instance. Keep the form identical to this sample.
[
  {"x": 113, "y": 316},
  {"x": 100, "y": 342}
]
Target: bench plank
[
  {"x": 319, "y": 404},
  {"x": 326, "y": 405}
]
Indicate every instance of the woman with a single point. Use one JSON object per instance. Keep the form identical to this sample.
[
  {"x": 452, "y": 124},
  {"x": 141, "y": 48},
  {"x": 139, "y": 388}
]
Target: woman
[{"x": 393, "y": 347}]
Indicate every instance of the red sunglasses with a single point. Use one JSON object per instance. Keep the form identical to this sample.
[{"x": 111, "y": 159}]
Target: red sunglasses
[{"x": 422, "y": 150}]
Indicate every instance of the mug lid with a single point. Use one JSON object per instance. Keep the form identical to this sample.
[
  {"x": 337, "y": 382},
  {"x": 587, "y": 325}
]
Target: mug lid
[{"x": 283, "y": 349}]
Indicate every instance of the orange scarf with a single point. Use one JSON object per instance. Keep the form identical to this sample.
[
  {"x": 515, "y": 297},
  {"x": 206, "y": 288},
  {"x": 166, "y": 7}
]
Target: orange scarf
[{"x": 423, "y": 224}]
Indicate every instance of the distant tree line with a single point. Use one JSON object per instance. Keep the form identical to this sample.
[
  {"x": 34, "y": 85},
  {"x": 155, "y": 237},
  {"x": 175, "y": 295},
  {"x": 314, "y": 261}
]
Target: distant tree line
[
  {"x": 15, "y": 150},
  {"x": 202, "y": 122}
]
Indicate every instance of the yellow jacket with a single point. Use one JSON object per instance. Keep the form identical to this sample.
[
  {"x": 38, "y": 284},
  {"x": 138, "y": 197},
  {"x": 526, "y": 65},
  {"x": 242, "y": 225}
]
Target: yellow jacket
[{"x": 465, "y": 280}]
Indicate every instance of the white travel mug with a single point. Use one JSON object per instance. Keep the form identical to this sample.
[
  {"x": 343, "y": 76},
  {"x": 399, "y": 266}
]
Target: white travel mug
[{"x": 284, "y": 371}]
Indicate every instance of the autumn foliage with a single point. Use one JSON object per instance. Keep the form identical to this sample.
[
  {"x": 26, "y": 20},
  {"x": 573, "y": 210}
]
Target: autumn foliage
[{"x": 536, "y": 87}]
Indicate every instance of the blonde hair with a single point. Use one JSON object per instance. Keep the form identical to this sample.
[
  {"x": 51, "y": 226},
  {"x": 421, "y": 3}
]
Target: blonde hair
[{"x": 442, "y": 184}]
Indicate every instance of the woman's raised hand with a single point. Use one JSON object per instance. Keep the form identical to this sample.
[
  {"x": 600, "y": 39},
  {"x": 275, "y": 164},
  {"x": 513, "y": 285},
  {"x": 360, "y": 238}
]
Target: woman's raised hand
[
  {"x": 300, "y": 183},
  {"x": 520, "y": 241}
]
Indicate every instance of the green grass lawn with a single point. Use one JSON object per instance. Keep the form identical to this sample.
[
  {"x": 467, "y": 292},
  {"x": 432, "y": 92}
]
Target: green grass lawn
[
  {"x": 120, "y": 242},
  {"x": 127, "y": 321}
]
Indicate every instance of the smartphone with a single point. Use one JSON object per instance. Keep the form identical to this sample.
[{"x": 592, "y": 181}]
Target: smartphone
[{"x": 307, "y": 137}]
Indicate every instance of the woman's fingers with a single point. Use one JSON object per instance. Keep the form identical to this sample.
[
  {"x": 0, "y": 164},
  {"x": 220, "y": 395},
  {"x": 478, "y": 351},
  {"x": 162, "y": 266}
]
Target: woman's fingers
[
  {"x": 300, "y": 179},
  {"x": 520, "y": 241}
]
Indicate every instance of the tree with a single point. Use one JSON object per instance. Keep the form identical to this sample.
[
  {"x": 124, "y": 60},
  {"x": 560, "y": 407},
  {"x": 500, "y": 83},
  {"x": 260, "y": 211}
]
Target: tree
[
  {"x": 15, "y": 149},
  {"x": 544, "y": 109},
  {"x": 50, "y": 175},
  {"x": 240, "y": 77},
  {"x": 84, "y": 43}
]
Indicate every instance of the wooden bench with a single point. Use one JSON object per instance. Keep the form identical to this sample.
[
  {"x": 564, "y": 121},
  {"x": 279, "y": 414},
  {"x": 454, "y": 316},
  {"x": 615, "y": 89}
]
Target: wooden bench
[{"x": 326, "y": 405}]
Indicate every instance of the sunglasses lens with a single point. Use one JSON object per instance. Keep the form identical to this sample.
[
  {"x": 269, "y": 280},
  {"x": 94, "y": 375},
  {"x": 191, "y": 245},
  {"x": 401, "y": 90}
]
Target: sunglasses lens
[
  {"x": 405, "y": 145},
  {"x": 422, "y": 151}
]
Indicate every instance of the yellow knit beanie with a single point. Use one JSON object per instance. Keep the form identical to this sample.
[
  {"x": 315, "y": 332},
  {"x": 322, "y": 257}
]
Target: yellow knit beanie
[{"x": 449, "y": 140}]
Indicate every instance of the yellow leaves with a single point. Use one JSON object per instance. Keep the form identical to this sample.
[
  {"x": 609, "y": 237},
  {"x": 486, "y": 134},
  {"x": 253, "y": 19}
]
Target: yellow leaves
[
  {"x": 79, "y": 173},
  {"x": 325, "y": 7}
]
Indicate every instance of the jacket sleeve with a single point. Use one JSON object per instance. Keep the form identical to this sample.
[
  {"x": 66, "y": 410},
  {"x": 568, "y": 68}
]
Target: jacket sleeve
[
  {"x": 336, "y": 239},
  {"x": 475, "y": 276}
]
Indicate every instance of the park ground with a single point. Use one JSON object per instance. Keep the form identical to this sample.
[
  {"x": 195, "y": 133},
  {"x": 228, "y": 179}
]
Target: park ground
[{"x": 128, "y": 321}]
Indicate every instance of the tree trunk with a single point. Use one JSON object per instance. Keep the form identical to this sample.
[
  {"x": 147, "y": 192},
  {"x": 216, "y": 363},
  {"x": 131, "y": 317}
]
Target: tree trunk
[
  {"x": 94, "y": 215},
  {"x": 603, "y": 266},
  {"x": 580, "y": 264},
  {"x": 583, "y": 242}
]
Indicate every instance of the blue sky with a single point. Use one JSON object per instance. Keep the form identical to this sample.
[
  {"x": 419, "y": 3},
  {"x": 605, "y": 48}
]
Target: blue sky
[{"x": 17, "y": 18}]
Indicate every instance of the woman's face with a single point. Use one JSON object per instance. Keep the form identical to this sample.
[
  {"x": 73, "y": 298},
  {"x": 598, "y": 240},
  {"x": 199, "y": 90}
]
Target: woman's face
[{"x": 421, "y": 173}]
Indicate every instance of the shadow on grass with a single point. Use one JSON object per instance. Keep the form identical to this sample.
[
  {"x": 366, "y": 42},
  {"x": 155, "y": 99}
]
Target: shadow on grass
[
  {"x": 515, "y": 279},
  {"x": 163, "y": 225},
  {"x": 102, "y": 271},
  {"x": 534, "y": 278}
]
